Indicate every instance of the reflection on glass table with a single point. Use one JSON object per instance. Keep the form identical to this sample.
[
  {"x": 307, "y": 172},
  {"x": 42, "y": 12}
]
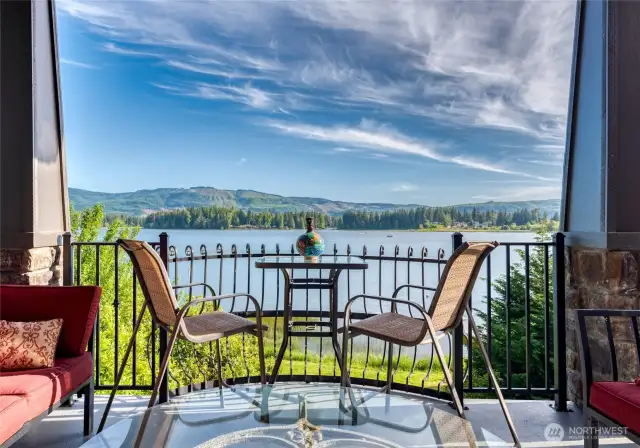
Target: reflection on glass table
[{"x": 296, "y": 415}]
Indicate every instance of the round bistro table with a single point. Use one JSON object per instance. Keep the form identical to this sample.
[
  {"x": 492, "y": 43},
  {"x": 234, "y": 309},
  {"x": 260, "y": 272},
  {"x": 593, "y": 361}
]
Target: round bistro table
[{"x": 335, "y": 264}]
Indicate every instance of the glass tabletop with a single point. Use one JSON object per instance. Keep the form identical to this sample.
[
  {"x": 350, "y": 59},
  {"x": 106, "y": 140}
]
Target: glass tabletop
[
  {"x": 320, "y": 262},
  {"x": 296, "y": 415}
]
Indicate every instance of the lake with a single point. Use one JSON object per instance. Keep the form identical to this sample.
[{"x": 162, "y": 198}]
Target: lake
[
  {"x": 381, "y": 278},
  {"x": 373, "y": 239}
]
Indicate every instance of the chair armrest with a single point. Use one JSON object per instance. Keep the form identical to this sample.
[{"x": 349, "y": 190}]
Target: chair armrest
[
  {"x": 424, "y": 288},
  {"x": 393, "y": 300},
  {"x": 187, "y": 306},
  {"x": 583, "y": 340},
  {"x": 191, "y": 285}
]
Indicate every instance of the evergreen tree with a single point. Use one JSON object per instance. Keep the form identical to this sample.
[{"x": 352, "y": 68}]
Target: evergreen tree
[
  {"x": 226, "y": 217},
  {"x": 517, "y": 319}
]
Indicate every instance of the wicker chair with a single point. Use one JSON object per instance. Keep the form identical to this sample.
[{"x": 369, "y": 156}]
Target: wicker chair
[
  {"x": 199, "y": 328},
  {"x": 450, "y": 301}
]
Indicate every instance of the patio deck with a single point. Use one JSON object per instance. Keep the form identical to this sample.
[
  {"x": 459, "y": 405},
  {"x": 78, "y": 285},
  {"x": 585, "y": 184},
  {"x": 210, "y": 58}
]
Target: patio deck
[{"x": 63, "y": 428}]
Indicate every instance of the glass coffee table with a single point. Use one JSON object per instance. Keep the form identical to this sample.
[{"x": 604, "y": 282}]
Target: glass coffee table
[{"x": 296, "y": 415}]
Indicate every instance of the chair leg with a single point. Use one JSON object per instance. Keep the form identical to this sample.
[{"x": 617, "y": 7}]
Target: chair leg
[
  {"x": 390, "y": 368},
  {"x": 164, "y": 365},
  {"x": 157, "y": 383},
  {"x": 264, "y": 403},
  {"x": 88, "y": 408},
  {"x": 445, "y": 369},
  {"x": 493, "y": 378},
  {"x": 263, "y": 375},
  {"x": 116, "y": 383},
  {"x": 219, "y": 361},
  {"x": 344, "y": 374}
]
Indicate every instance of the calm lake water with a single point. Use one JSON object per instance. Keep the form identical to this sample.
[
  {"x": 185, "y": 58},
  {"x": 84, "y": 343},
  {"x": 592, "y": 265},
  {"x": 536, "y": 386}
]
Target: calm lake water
[
  {"x": 241, "y": 275},
  {"x": 373, "y": 239}
]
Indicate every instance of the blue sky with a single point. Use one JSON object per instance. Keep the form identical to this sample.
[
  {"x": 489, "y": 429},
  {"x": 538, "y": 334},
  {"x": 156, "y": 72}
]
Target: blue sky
[{"x": 370, "y": 101}]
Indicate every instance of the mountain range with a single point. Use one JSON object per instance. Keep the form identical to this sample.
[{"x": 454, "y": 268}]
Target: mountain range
[{"x": 143, "y": 202}]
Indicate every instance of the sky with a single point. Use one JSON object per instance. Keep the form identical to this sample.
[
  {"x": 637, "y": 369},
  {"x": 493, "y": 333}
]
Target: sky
[{"x": 413, "y": 102}]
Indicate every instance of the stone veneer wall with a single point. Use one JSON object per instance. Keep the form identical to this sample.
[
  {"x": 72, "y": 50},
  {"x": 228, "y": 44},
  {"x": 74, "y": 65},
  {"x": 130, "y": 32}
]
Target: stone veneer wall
[
  {"x": 38, "y": 266},
  {"x": 599, "y": 278}
]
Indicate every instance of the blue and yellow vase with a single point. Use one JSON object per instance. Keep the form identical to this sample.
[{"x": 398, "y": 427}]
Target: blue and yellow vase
[{"x": 310, "y": 245}]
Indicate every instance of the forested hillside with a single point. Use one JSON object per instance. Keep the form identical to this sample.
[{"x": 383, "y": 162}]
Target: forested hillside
[
  {"x": 144, "y": 202},
  {"x": 418, "y": 218}
]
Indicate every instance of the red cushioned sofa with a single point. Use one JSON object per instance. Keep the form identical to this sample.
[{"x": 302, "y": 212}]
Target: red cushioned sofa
[
  {"x": 28, "y": 396},
  {"x": 615, "y": 404}
]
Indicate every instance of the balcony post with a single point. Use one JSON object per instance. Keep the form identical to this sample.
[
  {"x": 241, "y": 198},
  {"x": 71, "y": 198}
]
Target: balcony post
[
  {"x": 67, "y": 260},
  {"x": 458, "y": 336},
  {"x": 163, "y": 336},
  {"x": 559, "y": 325}
]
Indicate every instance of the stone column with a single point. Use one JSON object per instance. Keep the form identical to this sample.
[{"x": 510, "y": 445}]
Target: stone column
[
  {"x": 33, "y": 189},
  {"x": 601, "y": 278},
  {"x": 36, "y": 266},
  {"x": 601, "y": 212}
]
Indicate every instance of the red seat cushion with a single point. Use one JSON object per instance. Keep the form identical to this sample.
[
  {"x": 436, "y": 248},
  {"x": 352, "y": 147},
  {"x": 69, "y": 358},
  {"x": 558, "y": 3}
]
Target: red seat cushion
[
  {"x": 12, "y": 410},
  {"x": 75, "y": 305},
  {"x": 40, "y": 388},
  {"x": 619, "y": 401}
]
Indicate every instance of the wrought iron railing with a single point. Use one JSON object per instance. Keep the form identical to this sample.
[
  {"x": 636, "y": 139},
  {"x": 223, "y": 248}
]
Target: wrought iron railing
[{"x": 526, "y": 304}]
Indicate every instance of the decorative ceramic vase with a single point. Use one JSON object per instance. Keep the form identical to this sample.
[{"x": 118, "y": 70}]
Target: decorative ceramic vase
[{"x": 310, "y": 245}]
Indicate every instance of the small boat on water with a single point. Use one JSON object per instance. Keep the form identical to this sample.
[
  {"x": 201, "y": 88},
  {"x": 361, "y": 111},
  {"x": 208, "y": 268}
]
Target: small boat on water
[{"x": 389, "y": 236}]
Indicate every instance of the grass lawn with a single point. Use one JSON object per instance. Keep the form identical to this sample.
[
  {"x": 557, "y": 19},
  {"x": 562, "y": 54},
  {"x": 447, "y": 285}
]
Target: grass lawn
[
  {"x": 192, "y": 363},
  {"x": 375, "y": 369}
]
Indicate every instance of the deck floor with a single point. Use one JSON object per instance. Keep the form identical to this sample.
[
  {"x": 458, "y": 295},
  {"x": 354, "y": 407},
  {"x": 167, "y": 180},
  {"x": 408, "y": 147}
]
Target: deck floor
[{"x": 63, "y": 428}]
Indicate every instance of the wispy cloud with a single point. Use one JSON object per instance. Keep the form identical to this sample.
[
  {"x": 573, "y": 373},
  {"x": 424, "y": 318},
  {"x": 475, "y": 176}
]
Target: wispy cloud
[
  {"x": 384, "y": 139},
  {"x": 241, "y": 162},
  {"x": 520, "y": 194},
  {"x": 507, "y": 181},
  {"x": 404, "y": 188},
  {"x": 514, "y": 79},
  {"x": 246, "y": 94},
  {"x": 550, "y": 162},
  {"x": 212, "y": 70},
  {"x": 480, "y": 165},
  {"x": 555, "y": 149},
  {"x": 479, "y": 64},
  {"x": 113, "y": 48},
  {"x": 367, "y": 135},
  {"x": 78, "y": 64}
]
